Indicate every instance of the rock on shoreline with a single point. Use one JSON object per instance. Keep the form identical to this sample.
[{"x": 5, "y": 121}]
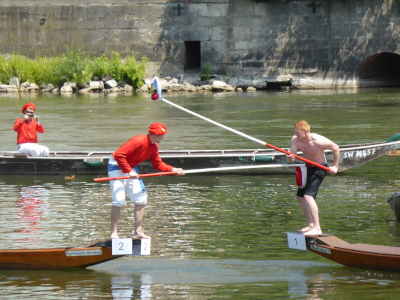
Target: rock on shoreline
[
  {"x": 109, "y": 85},
  {"x": 185, "y": 83}
]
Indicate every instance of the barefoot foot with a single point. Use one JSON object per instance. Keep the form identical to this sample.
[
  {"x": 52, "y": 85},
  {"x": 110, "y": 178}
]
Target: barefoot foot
[
  {"x": 305, "y": 229},
  {"x": 114, "y": 236},
  {"x": 141, "y": 235},
  {"x": 313, "y": 232}
]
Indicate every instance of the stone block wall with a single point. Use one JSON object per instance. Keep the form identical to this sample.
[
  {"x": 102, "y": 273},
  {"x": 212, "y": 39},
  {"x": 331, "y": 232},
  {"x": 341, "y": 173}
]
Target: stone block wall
[{"x": 235, "y": 37}]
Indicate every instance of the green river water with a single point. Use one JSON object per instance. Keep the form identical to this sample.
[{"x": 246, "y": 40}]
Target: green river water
[{"x": 213, "y": 236}]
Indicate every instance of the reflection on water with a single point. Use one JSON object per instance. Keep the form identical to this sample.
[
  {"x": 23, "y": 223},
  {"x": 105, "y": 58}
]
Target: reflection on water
[
  {"x": 33, "y": 205},
  {"x": 202, "y": 279},
  {"x": 124, "y": 287},
  {"x": 214, "y": 237}
]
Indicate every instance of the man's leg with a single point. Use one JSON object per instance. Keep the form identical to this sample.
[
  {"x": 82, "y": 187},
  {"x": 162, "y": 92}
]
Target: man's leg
[
  {"x": 314, "y": 216},
  {"x": 139, "y": 213},
  {"x": 118, "y": 200},
  {"x": 305, "y": 208},
  {"x": 25, "y": 148},
  {"x": 115, "y": 212},
  {"x": 43, "y": 150}
]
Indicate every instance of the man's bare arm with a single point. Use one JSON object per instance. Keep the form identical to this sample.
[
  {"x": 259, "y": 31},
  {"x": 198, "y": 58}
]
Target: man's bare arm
[
  {"x": 293, "y": 149},
  {"x": 329, "y": 145}
]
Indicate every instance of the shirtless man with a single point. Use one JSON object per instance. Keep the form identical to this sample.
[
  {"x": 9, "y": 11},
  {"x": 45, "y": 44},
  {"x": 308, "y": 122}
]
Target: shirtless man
[{"x": 312, "y": 145}]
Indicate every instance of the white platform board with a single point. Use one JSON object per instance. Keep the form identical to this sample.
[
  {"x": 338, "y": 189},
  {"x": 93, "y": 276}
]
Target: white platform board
[{"x": 296, "y": 240}]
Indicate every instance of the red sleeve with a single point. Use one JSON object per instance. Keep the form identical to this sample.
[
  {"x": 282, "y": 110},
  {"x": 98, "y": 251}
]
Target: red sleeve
[
  {"x": 132, "y": 153},
  {"x": 158, "y": 164},
  {"x": 121, "y": 157},
  {"x": 40, "y": 128},
  {"x": 17, "y": 124},
  {"x": 137, "y": 150}
]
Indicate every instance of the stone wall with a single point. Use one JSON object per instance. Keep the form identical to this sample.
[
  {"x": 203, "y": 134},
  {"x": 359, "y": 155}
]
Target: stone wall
[{"x": 265, "y": 40}]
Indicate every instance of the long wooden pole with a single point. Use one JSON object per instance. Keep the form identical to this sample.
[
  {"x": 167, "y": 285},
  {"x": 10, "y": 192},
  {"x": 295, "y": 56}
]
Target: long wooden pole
[
  {"x": 157, "y": 85},
  {"x": 206, "y": 170}
]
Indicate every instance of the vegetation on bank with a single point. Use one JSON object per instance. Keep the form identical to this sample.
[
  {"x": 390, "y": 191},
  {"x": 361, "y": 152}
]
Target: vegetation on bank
[{"x": 73, "y": 66}]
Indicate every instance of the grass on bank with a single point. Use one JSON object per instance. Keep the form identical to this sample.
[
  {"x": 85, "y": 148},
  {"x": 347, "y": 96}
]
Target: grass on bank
[{"x": 74, "y": 66}]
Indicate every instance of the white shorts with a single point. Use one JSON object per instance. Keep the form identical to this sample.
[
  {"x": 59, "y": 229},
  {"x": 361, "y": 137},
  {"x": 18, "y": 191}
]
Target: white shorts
[
  {"x": 134, "y": 188},
  {"x": 33, "y": 149}
]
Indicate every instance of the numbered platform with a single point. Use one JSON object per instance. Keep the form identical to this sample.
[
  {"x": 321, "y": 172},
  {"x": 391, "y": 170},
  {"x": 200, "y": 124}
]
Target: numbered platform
[
  {"x": 129, "y": 246},
  {"x": 296, "y": 240}
]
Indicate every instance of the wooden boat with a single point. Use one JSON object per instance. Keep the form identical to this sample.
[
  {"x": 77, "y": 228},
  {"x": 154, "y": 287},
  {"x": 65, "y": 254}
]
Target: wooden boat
[
  {"x": 394, "y": 202},
  {"x": 57, "y": 258},
  {"x": 364, "y": 256},
  {"x": 95, "y": 163}
]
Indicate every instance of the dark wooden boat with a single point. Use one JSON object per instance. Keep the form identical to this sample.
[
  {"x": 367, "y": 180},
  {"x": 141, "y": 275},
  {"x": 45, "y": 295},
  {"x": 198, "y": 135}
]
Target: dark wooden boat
[
  {"x": 394, "y": 202},
  {"x": 364, "y": 256},
  {"x": 57, "y": 258},
  {"x": 95, "y": 163}
]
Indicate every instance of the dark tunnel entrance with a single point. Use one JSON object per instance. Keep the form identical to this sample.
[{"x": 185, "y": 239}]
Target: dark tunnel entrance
[
  {"x": 380, "y": 70},
  {"x": 192, "y": 56}
]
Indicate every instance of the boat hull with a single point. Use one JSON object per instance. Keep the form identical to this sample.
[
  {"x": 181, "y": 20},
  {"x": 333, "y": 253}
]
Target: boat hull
[
  {"x": 363, "y": 256},
  {"x": 57, "y": 258},
  {"x": 95, "y": 163}
]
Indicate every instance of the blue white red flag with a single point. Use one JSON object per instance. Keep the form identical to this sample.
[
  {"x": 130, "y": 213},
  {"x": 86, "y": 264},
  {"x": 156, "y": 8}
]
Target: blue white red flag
[{"x": 157, "y": 85}]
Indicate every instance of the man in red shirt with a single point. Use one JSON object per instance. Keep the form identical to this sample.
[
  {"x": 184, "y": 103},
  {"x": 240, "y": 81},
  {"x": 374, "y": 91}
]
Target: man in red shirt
[
  {"x": 26, "y": 129},
  {"x": 124, "y": 162}
]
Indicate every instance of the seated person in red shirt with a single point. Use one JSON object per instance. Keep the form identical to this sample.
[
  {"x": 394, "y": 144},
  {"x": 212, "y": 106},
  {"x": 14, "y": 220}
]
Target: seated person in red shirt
[
  {"x": 124, "y": 162},
  {"x": 26, "y": 129}
]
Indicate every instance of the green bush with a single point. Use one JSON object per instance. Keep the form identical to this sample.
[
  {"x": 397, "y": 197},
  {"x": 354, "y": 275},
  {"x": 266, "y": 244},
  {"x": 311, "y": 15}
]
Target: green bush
[
  {"x": 39, "y": 71},
  {"x": 75, "y": 65},
  {"x": 134, "y": 71},
  {"x": 105, "y": 65},
  {"x": 130, "y": 70},
  {"x": 21, "y": 67},
  {"x": 72, "y": 66},
  {"x": 206, "y": 73},
  {"x": 5, "y": 70}
]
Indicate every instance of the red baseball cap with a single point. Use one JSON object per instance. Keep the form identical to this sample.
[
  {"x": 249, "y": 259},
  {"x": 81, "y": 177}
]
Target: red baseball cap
[
  {"x": 31, "y": 105},
  {"x": 158, "y": 128}
]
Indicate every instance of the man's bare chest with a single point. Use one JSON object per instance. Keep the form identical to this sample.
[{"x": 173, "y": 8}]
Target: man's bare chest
[{"x": 309, "y": 148}]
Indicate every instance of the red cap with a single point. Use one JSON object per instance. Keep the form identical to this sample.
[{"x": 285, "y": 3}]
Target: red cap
[
  {"x": 158, "y": 128},
  {"x": 31, "y": 105}
]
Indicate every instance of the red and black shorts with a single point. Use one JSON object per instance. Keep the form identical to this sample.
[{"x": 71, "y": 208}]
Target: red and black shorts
[{"x": 315, "y": 176}]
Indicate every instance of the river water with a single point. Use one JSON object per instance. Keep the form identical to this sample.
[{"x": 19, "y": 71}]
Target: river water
[{"x": 213, "y": 237}]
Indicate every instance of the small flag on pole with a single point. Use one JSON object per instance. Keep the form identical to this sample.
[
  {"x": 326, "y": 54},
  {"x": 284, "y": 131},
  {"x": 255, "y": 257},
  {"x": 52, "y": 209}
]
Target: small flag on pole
[{"x": 157, "y": 85}]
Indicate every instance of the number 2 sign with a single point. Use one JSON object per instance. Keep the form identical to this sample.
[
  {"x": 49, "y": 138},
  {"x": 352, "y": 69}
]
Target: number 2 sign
[
  {"x": 143, "y": 248},
  {"x": 121, "y": 246}
]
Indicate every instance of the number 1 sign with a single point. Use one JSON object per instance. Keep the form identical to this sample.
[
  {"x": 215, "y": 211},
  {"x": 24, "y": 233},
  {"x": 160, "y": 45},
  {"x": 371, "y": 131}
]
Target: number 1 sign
[{"x": 296, "y": 240}]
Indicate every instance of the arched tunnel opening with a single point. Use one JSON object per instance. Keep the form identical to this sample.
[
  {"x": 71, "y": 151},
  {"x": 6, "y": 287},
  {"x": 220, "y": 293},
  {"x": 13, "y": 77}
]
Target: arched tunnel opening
[{"x": 380, "y": 70}]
